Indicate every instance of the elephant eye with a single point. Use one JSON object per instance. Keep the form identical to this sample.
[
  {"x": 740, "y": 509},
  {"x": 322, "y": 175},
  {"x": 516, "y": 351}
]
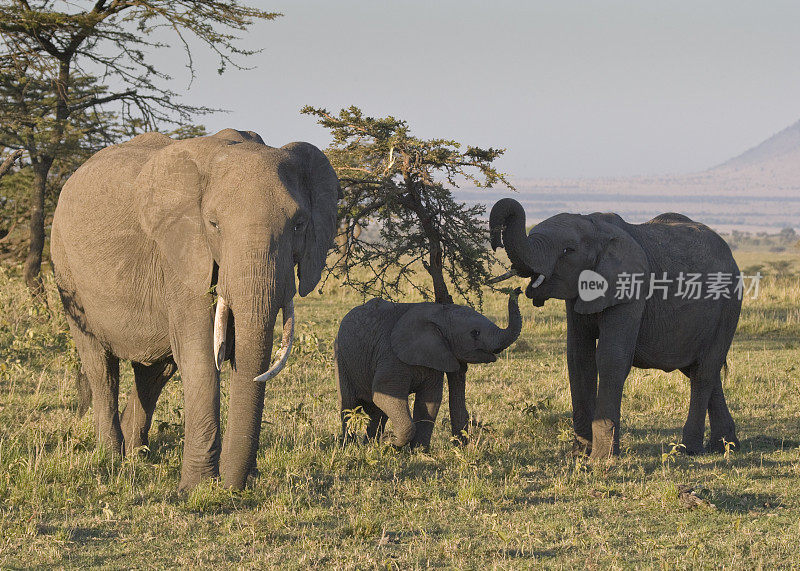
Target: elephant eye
[
  {"x": 300, "y": 223},
  {"x": 568, "y": 250},
  {"x": 475, "y": 333},
  {"x": 214, "y": 223}
]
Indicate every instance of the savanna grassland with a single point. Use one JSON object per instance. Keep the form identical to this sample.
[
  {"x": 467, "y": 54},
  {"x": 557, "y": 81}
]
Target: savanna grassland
[{"x": 512, "y": 498}]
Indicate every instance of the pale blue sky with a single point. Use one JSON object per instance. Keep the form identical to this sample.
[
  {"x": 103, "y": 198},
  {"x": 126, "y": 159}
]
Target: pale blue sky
[{"x": 570, "y": 88}]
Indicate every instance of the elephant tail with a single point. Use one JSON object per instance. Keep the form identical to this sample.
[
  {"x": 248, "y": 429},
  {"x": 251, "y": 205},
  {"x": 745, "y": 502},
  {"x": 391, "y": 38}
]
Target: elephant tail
[
  {"x": 725, "y": 370},
  {"x": 84, "y": 392}
]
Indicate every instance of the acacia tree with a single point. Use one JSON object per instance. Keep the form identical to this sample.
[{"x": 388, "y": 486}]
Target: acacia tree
[
  {"x": 57, "y": 51},
  {"x": 403, "y": 184}
]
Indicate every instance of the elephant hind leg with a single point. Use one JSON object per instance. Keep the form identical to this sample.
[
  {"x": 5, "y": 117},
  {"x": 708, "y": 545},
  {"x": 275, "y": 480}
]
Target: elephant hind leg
[
  {"x": 101, "y": 368},
  {"x": 702, "y": 383},
  {"x": 721, "y": 421},
  {"x": 347, "y": 395},
  {"x": 138, "y": 413}
]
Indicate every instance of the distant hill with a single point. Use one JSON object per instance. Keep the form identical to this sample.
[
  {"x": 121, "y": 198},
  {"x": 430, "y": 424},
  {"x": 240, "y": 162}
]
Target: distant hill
[
  {"x": 758, "y": 190},
  {"x": 784, "y": 145}
]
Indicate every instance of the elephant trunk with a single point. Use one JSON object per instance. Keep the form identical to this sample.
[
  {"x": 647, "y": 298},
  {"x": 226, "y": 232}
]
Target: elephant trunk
[
  {"x": 531, "y": 256},
  {"x": 254, "y": 306},
  {"x": 246, "y": 402},
  {"x": 507, "y": 230},
  {"x": 510, "y": 334}
]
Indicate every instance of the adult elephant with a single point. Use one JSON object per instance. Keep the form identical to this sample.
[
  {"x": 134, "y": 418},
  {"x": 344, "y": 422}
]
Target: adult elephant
[
  {"x": 607, "y": 334},
  {"x": 142, "y": 233}
]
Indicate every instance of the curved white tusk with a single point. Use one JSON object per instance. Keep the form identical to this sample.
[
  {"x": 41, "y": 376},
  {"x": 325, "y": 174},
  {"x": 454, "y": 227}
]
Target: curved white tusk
[
  {"x": 505, "y": 276},
  {"x": 286, "y": 344},
  {"x": 538, "y": 281},
  {"x": 220, "y": 330}
]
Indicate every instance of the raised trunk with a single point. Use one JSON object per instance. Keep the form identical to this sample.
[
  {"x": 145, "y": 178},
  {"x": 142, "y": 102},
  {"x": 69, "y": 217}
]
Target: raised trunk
[
  {"x": 505, "y": 337},
  {"x": 507, "y": 230}
]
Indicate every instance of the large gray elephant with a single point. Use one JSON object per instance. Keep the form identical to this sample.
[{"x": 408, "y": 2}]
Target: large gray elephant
[
  {"x": 386, "y": 351},
  {"x": 662, "y": 327},
  {"x": 142, "y": 235}
]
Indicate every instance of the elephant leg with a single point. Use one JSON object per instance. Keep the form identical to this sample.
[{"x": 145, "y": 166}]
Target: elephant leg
[
  {"x": 456, "y": 396},
  {"x": 396, "y": 408},
  {"x": 137, "y": 415},
  {"x": 192, "y": 349},
  {"x": 426, "y": 407},
  {"x": 702, "y": 385},
  {"x": 721, "y": 421},
  {"x": 102, "y": 370},
  {"x": 346, "y": 393},
  {"x": 377, "y": 420},
  {"x": 616, "y": 345},
  {"x": 582, "y": 367}
]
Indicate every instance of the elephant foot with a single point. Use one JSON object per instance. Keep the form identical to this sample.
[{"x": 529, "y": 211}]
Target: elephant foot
[
  {"x": 691, "y": 448},
  {"x": 717, "y": 445},
  {"x": 581, "y": 446}
]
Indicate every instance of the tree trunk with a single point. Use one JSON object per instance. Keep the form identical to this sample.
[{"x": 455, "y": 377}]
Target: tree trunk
[{"x": 33, "y": 262}]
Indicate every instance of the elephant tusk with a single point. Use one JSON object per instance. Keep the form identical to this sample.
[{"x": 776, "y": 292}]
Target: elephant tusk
[
  {"x": 220, "y": 330},
  {"x": 505, "y": 276},
  {"x": 538, "y": 281},
  {"x": 286, "y": 344}
]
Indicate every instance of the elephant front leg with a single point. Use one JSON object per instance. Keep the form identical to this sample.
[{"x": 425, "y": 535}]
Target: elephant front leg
[
  {"x": 192, "y": 347},
  {"x": 618, "y": 331},
  {"x": 456, "y": 395},
  {"x": 426, "y": 407},
  {"x": 396, "y": 408},
  {"x": 582, "y": 367}
]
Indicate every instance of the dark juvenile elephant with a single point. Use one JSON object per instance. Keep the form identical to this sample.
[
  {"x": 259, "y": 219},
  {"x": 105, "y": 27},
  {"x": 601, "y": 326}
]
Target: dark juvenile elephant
[
  {"x": 386, "y": 351},
  {"x": 142, "y": 233},
  {"x": 608, "y": 334}
]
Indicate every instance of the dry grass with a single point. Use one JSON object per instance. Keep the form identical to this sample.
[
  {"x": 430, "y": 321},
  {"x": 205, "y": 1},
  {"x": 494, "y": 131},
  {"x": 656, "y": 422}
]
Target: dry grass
[{"x": 512, "y": 498}]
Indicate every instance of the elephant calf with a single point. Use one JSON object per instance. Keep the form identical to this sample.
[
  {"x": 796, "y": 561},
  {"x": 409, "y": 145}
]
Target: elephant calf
[{"x": 386, "y": 351}]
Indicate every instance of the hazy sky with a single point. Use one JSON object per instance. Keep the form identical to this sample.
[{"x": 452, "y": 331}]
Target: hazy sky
[{"x": 569, "y": 88}]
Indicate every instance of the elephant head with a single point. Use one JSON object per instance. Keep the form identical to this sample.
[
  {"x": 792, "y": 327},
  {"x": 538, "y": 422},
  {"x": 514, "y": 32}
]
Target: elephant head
[
  {"x": 560, "y": 248},
  {"x": 442, "y": 337},
  {"x": 230, "y": 209}
]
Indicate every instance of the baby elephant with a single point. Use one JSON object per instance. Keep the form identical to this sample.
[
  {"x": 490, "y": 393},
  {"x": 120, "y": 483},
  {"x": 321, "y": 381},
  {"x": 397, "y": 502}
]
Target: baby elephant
[{"x": 386, "y": 351}]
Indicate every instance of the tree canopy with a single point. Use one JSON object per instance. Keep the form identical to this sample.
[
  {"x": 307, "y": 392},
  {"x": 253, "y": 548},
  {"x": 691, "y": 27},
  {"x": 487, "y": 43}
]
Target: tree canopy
[
  {"x": 59, "y": 59},
  {"x": 404, "y": 185}
]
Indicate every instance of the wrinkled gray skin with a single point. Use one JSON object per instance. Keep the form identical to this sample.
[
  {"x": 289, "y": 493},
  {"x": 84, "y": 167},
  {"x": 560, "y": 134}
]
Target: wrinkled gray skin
[
  {"x": 141, "y": 232},
  {"x": 606, "y": 336},
  {"x": 386, "y": 351}
]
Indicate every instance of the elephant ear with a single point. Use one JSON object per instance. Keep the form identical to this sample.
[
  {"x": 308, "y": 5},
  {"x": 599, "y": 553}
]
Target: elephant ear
[
  {"x": 169, "y": 193},
  {"x": 320, "y": 189},
  {"x": 620, "y": 258},
  {"x": 417, "y": 339}
]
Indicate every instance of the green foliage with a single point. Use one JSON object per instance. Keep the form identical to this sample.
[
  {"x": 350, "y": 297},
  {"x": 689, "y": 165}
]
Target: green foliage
[
  {"x": 56, "y": 111},
  {"x": 403, "y": 185},
  {"x": 356, "y": 421}
]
